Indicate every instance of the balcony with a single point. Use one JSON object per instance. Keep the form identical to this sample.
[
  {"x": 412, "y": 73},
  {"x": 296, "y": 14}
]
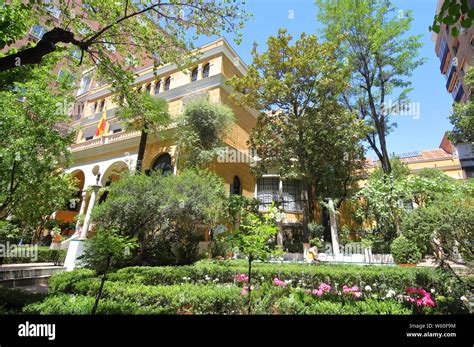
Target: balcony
[
  {"x": 458, "y": 91},
  {"x": 452, "y": 78},
  {"x": 104, "y": 140},
  {"x": 443, "y": 54}
]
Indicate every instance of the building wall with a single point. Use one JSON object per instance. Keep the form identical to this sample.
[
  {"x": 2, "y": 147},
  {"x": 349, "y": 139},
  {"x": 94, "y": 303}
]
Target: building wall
[{"x": 458, "y": 57}]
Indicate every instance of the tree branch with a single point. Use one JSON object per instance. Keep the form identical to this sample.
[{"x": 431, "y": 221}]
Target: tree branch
[{"x": 46, "y": 45}]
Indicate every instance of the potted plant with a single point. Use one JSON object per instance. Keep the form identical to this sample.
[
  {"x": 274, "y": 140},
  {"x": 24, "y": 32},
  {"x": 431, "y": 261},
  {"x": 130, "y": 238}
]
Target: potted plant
[{"x": 405, "y": 252}]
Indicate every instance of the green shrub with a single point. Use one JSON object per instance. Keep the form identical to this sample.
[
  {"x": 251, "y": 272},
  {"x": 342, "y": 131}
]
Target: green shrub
[
  {"x": 295, "y": 304},
  {"x": 450, "y": 220},
  {"x": 63, "y": 282},
  {"x": 12, "y": 300},
  {"x": 208, "y": 287},
  {"x": 219, "y": 247},
  {"x": 175, "y": 299},
  {"x": 405, "y": 251},
  {"x": 396, "y": 278},
  {"x": 80, "y": 305}
]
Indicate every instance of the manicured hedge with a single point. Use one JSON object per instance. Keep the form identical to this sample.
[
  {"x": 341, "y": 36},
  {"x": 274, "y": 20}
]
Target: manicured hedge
[
  {"x": 120, "y": 298},
  {"x": 208, "y": 287},
  {"x": 63, "y": 282},
  {"x": 394, "y": 277},
  {"x": 79, "y": 305},
  {"x": 142, "y": 299},
  {"x": 44, "y": 255},
  {"x": 288, "y": 305}
]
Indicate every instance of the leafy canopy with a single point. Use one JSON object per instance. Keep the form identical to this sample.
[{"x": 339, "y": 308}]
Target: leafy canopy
[
  {"x": 302, "y": 130},
  {"x": 202, "y": 128},
  {"x": 376, "y": 47},
  {"x": 33, "y": 146},
  {"x": 114, "y": 35}
]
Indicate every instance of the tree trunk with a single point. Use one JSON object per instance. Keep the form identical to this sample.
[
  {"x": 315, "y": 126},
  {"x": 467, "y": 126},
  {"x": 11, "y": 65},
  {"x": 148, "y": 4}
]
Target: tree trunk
[
  {"x": 101, "y": 288},
  {"x": 280, "y": 235},
  {"x": 249, "y": 285},
  {"x": 386, "y": 166},
  {"x": 141, "y": 149},
  {"x": 333, "y": 226},
  {"x": 306, "y": 210}
]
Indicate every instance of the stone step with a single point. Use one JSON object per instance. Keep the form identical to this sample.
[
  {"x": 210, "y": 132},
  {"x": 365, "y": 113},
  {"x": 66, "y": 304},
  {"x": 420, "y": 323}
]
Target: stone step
[{"x": 24, "y": 275}]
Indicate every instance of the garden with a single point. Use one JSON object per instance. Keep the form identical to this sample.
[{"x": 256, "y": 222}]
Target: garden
[
  {"x": 324, "y": 101},
  {"x": 221, "y": 287}
]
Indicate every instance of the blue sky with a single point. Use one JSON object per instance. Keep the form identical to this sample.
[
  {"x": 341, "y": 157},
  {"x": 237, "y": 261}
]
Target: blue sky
[{"x": 429, "y": 89}]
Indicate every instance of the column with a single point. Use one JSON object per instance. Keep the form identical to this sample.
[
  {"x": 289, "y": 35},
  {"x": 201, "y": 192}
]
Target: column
[
  {"x": 199, "y": 77},
  {"x": 333, "y": 225},
  {"x": 162, "y": 85},
  {"x": 278, "y": 204},
  {"x": 76, "y": 244},
  {"x": 81, "y": 211},
  {"x": 85, "y": 227}
]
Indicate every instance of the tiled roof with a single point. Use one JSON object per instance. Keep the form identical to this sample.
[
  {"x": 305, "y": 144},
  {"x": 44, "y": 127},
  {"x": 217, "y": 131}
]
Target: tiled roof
[{"x": 431, "y": 154}]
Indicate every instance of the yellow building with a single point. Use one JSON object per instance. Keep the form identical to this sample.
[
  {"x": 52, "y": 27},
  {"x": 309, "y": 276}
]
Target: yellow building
[
  {"x": 97, "y": 160},
  {"x": 444, "y": 158}
]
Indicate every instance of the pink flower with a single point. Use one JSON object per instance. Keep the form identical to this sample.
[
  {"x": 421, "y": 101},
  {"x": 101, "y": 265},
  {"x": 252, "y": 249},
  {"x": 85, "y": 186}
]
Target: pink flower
[
  {"x": 324, "y": 287},
  {"x": 278, "y": 282},
  {"x": 244, "y": 291},
  {"x": 422, "y": 297},
  {"x": 346, "y": 289},
  {"x": 357, "y": 295},
  {"x": 241, "y": 278},
  {"x": 426, "y": 301}
]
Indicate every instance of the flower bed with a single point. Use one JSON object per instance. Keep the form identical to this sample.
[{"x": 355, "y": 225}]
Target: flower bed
[
  {"x": 222, "y": 288},
  {"x": 397, "y": 278},
  {"x": 121, "y": 298}
]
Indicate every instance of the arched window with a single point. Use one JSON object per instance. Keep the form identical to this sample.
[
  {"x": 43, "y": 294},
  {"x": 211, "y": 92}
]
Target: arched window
[
  {"x": 194, "y": 74},
  {"x": 205, "y": 70},
  {"x": 157, "y": 87},
  {"x": 148, "y": 88},
  {"x": 235, "y": 186},
  {"x": 163, "y": 164},
  {"x": 167, "y": 83}
]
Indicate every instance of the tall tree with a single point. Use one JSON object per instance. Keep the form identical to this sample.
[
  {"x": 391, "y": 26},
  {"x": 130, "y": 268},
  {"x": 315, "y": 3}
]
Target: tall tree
[
  {"x": 95, "y": 29},
  {"x": 302, "y": 130},
  {"x": 382, "y": 55},
  {"x": 140, "y": 111},
  {"x": 33, "y": 145}
]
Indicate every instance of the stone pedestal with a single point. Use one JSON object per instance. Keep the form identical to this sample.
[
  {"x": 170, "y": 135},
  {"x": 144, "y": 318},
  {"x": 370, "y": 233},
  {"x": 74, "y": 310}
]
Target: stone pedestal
[
  {"x": 76, "y": 243},
  {"x": 74, "y": 251}
]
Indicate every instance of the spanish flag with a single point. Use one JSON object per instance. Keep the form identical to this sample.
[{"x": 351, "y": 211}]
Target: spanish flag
[{"x": 103, "y": 126}]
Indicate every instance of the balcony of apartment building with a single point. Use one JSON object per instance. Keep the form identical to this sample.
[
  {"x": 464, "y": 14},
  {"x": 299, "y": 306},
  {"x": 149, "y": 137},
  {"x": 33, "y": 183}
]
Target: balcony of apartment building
[
  {"x": 444, "y": 55},
  {"x": 457, "y": 91}
]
